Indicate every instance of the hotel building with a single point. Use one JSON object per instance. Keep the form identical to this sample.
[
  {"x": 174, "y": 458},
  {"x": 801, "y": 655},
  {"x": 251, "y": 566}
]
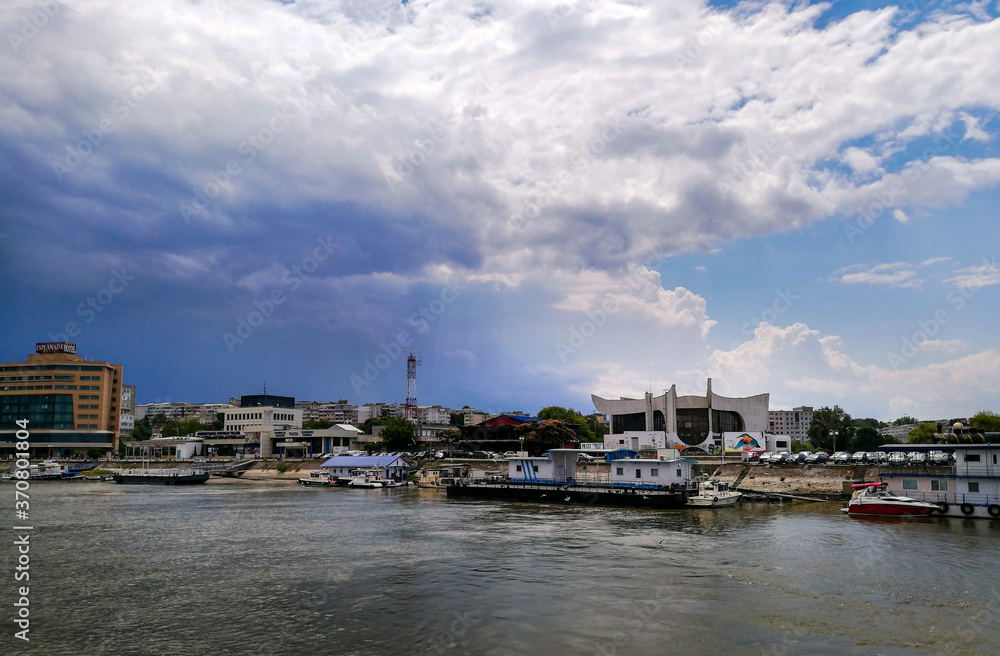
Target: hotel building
[{"x": 72, "y": 404}]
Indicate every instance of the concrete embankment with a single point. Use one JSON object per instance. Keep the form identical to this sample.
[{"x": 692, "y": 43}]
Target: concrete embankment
[{"x": 821, "y": 481}]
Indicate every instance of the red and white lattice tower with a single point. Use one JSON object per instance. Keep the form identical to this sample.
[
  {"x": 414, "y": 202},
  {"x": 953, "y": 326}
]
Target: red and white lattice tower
[{"x": 411, "y": 385}]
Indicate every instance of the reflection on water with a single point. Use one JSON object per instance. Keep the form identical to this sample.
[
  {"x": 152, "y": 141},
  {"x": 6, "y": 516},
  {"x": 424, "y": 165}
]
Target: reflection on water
[{"x": 238, "y": 567}]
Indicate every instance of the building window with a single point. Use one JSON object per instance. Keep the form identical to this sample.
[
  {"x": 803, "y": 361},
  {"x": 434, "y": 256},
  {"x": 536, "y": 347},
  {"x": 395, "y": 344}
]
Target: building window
[
  {"x": 781, "y": 444},
  {"x": 973, "y": 486},
  {"x": 534, "y": 468},
  {"x": 620, "y": 471},
  {"x": 519, "y": 468},
  {"x": 972, "y": 457},
  {"x": 625, "y": 423},
  {"x": 638, "y": 473},
  {"x": 654, "y": 473},
  {"x": 679, "y": 475},
  {"x": 909, "y": 484},
  {"x": 939, "y": 486}
]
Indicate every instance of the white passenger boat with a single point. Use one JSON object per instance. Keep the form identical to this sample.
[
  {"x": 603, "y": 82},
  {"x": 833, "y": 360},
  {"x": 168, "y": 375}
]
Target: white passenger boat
[{"x": 713, "y": 494}]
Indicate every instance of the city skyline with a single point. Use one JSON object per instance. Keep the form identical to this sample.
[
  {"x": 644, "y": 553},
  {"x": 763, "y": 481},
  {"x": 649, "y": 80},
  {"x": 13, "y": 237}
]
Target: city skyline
[{"x": 545, "y": 201}]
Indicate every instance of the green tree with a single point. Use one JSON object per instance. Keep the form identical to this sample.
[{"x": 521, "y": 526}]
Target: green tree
[
  {"x": 986, "y": 420},
  {"x": 825, "y": 422},
  {"x": 923, "y": 434},
  {"x": 367, "y": 425},
  {"x": 450, "y": 435},
  {"x": 868, "y": 439},
  {"x": 869, "y": 421},
  {"x": 219, "y": 422},
  {"x": 905, "y": 419},
  {"x": 570, "y": 416},
  {"x": 160, "y": 418},
  {"x": 143, "y": 429},
  {"x": 398, "y": 434},
  {"x": 543, "y": 435},
  {"x": 181, "y": 428},
  {"x": 317, "y": 424},
  {"x": 457, "y": 419}
]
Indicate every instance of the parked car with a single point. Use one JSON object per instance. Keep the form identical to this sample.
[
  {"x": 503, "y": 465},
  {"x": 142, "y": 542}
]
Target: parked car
[
  {"x": 816, "y": 458},
  {"x": 508, "y": 454},
  {"x": 859, "y": 458},
  {"x": 751, "y": 456},
  {"x": 461, "y": 454},
  {"x": 585, "y": 457},
  {"x": 786, "y": 458},
  {"x": 765, "y": 458},
  {"x": 841, "y": 458},
  {"x": 802, "y": 455},
  {"x": 897, "y": 458},
  {"x": 940, "y": 458},
  {"x": 917, "y": 457},
  {"x": 480, "y": 455}
]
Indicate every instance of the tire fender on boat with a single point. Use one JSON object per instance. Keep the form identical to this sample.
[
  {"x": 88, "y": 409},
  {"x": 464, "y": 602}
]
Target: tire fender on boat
[
  {"x": 715, "y": 499},
  {"x": 967, "y": 509},
  {"x": 994, "y": 510},
  {"x": 943, "y": 507}
]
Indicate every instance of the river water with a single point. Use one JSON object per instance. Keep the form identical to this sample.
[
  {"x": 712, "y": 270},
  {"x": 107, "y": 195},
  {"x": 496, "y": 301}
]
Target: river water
[{"x": 263, "y": 568}]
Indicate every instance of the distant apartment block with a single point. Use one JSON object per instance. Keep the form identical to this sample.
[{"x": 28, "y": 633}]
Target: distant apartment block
[
  {"x": 433, "y": 414},
  {"x": 339, "y": 412},
  {"x": 794, "y": 423},
  {"x": 376, "y": 410}
]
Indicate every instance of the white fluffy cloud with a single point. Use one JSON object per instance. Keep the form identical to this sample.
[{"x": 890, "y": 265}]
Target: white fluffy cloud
[
  {"x": 895, "y": 274},
  {"x": 800, "y": 366}
]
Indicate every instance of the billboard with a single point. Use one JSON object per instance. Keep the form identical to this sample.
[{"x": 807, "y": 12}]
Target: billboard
[
  {"x": 743, "y": 441},
  {"x": 55, "y": 347}
]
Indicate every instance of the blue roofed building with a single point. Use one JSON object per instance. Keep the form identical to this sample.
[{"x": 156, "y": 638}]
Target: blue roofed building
[{"x": 391, "y": 466}]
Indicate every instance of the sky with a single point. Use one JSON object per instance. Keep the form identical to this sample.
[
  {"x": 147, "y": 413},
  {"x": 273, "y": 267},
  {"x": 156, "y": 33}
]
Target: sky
[{"x": 544, "y": 199}]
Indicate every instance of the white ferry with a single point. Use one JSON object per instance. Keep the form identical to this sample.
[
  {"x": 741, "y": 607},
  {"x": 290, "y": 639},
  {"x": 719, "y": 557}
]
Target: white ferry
[{"x": 968, "y": 486}]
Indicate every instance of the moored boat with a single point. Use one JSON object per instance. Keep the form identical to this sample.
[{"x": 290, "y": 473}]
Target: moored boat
[
  {"x": 316, "y": 478},
  {"x": 713, "y": 494},
  {"x": 161, "y": 477},
  {"x": 875, "y": 499}
]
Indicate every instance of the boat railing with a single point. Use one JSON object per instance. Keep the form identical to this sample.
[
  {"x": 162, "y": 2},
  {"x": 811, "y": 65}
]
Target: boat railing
[{"x": 944, "y": 497}]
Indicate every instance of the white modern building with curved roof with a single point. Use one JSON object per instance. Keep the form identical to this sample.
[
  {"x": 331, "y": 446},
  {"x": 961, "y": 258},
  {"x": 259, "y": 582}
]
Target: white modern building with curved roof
[{"x": 672, "y": 421}]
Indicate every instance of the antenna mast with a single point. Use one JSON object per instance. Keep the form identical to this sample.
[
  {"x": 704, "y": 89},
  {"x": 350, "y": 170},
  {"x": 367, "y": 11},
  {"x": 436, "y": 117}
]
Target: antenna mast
[{"x": 410, "y": 409}]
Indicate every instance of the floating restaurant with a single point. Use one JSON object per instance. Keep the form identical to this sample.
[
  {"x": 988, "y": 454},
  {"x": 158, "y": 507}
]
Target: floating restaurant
[{"x": 636, "y": 482}]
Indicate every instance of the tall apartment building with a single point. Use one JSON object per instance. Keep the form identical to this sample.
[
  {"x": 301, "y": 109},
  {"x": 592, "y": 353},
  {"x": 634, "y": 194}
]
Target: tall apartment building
[
  {"x": 794, "y": 423},
  {"x": 127, "y": 422},
  {"x": 72, "y": 404}
]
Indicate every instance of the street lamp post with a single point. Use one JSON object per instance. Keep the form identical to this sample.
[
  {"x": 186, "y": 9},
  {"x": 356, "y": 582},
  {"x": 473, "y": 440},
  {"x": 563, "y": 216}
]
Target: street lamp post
[{"x": 834, "y": 434}]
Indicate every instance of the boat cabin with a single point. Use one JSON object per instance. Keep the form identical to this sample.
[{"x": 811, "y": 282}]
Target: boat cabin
[
  {"x": 636, "y": 472},
  {"x": 559, "y": 466},
  {"x": 969, "y": 486}
]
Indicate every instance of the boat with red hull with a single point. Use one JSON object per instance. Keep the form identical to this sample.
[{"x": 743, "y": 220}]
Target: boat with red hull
[{"x": 875, "y": 499}]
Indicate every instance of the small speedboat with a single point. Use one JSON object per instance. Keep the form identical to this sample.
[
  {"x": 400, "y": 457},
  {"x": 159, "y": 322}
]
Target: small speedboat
[
  {"x": 875, "y": 499},
  {"x": 713, "y": 494}
]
